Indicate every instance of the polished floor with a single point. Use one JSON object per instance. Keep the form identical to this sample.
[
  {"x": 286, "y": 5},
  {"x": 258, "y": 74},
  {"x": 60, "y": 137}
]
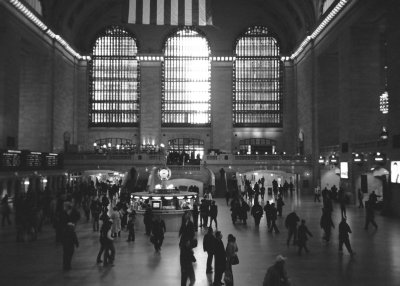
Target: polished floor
[{"x": 377, "y": 259}]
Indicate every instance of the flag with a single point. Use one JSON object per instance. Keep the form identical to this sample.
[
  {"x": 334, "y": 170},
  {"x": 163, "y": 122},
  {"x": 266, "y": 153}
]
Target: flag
[{"x": 170, "y": 12}]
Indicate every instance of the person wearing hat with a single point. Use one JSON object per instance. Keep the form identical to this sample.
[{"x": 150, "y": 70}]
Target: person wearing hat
[{"x": 276, "y": 274}]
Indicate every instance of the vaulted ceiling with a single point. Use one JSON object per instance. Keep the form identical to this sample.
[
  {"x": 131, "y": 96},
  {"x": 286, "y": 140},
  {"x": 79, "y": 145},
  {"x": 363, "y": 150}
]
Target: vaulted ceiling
[{"x": 80, "y": 20}]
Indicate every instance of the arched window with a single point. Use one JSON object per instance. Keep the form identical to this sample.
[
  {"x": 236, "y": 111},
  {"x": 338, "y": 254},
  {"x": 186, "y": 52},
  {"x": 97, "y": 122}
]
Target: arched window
[
  {"x": 186, "y": 80},
  {"x": 114, "y": 80},
  {"x": 257, "y": 99}
]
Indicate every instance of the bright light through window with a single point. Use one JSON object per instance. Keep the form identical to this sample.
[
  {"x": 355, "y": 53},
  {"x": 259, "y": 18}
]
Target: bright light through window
[{"x": 186, "y": 86}]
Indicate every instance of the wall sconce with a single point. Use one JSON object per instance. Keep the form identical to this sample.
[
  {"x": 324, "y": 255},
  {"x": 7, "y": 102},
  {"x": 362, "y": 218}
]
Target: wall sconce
[
  {"x": 321, "y": 160},
  {"x": 358, "y": 158},
  {"x": 384, "y": 135},
  {"x": 333, "y": 159},
  {"x": 380, "y": 158}
]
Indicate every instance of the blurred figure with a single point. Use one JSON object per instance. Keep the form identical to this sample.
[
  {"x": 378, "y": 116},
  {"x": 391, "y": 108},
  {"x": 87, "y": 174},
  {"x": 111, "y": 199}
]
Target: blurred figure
[
  {"x": 276, "y": 274},
  {"x": 69, "y": 241},
  {"x": 344, "y": 230}
]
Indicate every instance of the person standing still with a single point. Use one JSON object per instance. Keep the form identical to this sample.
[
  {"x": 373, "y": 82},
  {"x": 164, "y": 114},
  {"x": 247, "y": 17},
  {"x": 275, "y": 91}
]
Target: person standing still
[
  {"x": 213, "y": 214},
  {"x": 369, "y": 215},
  {"x": 208, "y": 243},
  {"x": 257, "y": 213},
  {"x": 220, "y": 259}
]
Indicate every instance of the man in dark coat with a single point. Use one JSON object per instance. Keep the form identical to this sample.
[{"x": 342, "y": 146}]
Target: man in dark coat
[
  {"x": 220, "y": 259},
  {"x": 158, "y": 229},
  {"x": 326, "y": 223},
  {"x": 274, "y": 216},
  {"x": 303, "y": 234},
  {"x": 213, "y": 214},
  {"x": 276, "y": 274},
  {"x": 148, "y": 220},
  {"x": 257, "y": 213},
  {"x": 344, "y": 230},
  {"x": 208, "y": 244},
  {"x": 291, "y": 224},
  {"x": 69, "y": 241},
  {"x": 185, "y": 258},
  {"x": 267, "y": 209},
  {"x": 370, "y": 214}
]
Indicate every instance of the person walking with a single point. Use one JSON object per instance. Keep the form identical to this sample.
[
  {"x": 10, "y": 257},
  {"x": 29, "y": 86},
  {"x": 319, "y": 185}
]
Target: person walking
[
  {"x": 69, "y": 242},
  {"x": 267, "y": 210},
  {"x": 360, "y": 196},
  {"x": 213, "y": 214},
  {"x": 291, "y": 224},
  {"x": 131, "y": 226},
  {"x": 187, "y": 232},
  {"x": 257, "y": 213},
  {"x": 344, "y": 230},
  {"x": 5, "y": 211},
  {"x": 342, "y": 201},
  {"x": 148, "y": 220},
  {"x": 204, "y": 210},
  {"x": 317, "y": 194},
  {"x": 273, "y": 219},
  {"x": 369, "y": 215},
  {"x": 158, "y": 229},
  {"x": 326, "y": 224},
  {"x": 279, "y": 205},
  {"x": 276, "y": 274},
  {"x": 303, "y": 234},
  {"x": 186, "y": 262},
  {"x": 220, "y": 259},
  {"x": 208, "y": 243}
]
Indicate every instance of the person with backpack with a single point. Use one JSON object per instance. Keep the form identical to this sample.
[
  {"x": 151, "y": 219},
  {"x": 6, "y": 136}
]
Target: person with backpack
[{"x": 276, "y": 274}]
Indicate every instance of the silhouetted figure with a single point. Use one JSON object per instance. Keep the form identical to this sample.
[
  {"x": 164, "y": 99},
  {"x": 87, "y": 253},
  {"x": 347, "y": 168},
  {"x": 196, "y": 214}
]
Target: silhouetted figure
[
  {"x": 344, "y": 230},
  {"x": 276, "y": 274},
  {"x": 148, "y": 220},
  {"x": 208, "y": 244},
  {"x": 213, "y": 214},
  {"x": 69, "y": 241},
  {"x": 267, "y": 209},
  {"x": 185, "y": 258},
  {"x": 302, "y": 234},
  {"x": 257, "y": 213},
  {"x": 291, "y": 224},
  {"x": 369, "y": 215},
  {"x": 5, "y": 211},
  {"x": 326, "y": 224},
  {"x": 274, "y": 217},
  {"x": 279, "y": 205},
  {"x": 220, "y": 259},
  {"x": 360, "y": 196},
  {"x": 158, "y": 229}
]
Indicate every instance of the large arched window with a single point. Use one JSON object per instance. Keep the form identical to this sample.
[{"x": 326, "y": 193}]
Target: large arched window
[
  {"x": 257, "y": 99},
  {"x": 114, "y": 80},
  {"x": 186, "y": 80}
]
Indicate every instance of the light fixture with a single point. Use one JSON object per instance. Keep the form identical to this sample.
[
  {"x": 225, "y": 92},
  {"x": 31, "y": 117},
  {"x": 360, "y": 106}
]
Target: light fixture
[
  {"x": 320, "y": 27},
  {"x": 384, "y": 135},
  {"x": 321, "y": 160}
]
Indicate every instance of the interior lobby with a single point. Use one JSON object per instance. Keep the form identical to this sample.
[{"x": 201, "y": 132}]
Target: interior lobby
[{"x": 163, "y": 102}]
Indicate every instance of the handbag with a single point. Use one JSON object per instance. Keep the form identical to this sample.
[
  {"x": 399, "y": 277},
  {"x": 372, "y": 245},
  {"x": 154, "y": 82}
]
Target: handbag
[
  {"x": 228, "y": 277},
  {"x": 234, "y": 260}
]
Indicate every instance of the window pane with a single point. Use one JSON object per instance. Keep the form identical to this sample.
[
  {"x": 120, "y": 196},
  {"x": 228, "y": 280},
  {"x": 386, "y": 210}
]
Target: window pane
[
  {"x": 257, "y": 99},
  {"x": 114, "y": 80},
  {"x": 186, "y": 81}
]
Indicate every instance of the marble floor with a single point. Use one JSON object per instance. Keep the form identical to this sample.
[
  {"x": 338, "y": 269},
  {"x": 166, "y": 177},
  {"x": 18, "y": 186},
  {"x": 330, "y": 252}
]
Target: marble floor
[{"x": 377, "y": 259}]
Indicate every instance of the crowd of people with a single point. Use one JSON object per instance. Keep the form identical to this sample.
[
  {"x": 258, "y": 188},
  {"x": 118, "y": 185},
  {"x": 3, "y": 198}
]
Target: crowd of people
[{"x": 109, "y": 209}]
